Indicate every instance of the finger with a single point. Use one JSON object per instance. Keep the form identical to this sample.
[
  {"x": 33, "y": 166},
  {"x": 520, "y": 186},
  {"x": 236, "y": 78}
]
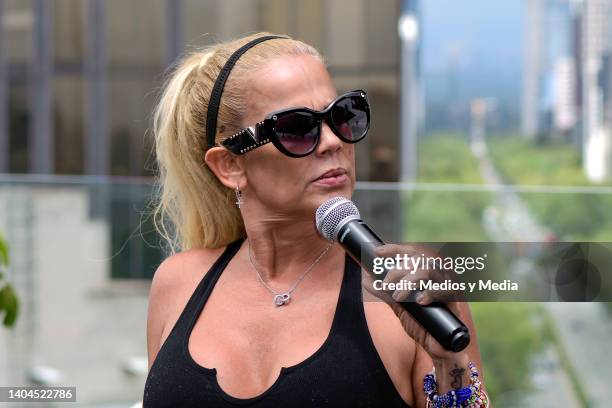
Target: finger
[
  {"x": 410, "y": 325},
  {"x": 424, "y": 298},
  {"x": 371, "y": 292},
  {"x": 415, "y": 330},
  {"x": 391, "y": 250},
  {"x": 412, "y": 283},
  {"x": 370, "y": 279},
  {"x": 394, "y": 275},
  {"x": 408, "y": 273},
  {"x": 407, "y": 291},
  {"x": 440, "y": 286}
]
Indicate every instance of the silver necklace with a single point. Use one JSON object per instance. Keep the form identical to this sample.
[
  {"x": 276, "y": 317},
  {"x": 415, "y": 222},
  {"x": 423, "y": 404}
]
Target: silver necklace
[{"x": 283, "y": 298}]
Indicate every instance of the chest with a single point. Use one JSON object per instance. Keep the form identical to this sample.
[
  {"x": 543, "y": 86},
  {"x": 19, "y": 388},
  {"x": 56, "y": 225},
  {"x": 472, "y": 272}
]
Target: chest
[
  {"x": 319, "y": 350},
  {"x": 252, "y": 335}
]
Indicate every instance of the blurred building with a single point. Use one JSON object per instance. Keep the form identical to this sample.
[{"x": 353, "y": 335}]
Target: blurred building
[
  {"x": 412, "y": 93},
  {"x": 564, "y": 105},
  {"x": 549, "y": 77},
  {"x": 565, "y": 82},
  {"x": 532, "y": 66},
  {"x": 80, "y": 77},
  {"x": 597, "y": 48}
]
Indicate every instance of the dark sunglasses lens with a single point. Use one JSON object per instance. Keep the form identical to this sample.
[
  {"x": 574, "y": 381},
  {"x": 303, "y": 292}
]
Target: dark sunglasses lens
[
  {"x": 297, "y": 132},
  {"x": 350, "y": 116}
]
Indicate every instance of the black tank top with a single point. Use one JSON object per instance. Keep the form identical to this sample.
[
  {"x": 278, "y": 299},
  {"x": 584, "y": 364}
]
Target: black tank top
[{"x": 345, "y": 371}]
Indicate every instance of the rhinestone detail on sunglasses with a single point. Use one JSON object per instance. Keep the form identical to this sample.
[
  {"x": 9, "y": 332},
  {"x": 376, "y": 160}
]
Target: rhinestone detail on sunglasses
[
  {"x": 239, "y": 133},
  {"x": 254, "y": 146}
]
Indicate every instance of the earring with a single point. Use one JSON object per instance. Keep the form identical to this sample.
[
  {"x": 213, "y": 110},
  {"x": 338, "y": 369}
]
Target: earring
[{"x": 239, "y": 200}]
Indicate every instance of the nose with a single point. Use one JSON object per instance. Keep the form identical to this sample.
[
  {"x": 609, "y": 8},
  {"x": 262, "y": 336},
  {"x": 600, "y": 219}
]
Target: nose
[{"x": 329, "y": 143}]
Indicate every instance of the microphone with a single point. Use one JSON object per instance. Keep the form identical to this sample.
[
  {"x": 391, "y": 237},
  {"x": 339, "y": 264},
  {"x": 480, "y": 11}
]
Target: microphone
[{"x": 338, "y": 219}]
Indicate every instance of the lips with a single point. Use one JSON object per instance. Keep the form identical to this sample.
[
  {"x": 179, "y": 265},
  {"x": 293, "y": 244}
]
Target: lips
[
  {"x": 333, "y": 178},
  {"x": 331, "y": 173}
]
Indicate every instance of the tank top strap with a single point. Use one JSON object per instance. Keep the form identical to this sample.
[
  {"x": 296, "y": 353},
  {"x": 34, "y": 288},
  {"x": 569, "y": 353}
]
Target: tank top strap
[
  {"x": 350, "y": 307},
  {"x": 352, "y": 324},
  {"x": 202, "y": 292},
  {"x": 351, "y": 317}
]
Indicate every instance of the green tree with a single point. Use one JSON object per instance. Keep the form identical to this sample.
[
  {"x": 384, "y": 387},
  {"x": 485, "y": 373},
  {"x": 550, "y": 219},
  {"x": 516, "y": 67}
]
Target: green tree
[
  {"x": 507, "y": 358},
  {"x": 9, "y": 305}
]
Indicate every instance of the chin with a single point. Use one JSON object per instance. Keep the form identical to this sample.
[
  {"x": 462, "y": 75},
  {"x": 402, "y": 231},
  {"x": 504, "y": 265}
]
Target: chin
[
  {"x": 323, "y": 196},
  {"x": 317, "y": 194}
]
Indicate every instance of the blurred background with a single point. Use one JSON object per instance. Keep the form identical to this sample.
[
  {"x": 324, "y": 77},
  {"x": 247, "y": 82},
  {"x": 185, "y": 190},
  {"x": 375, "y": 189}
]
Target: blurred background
[{"x": 492, "y": 121}]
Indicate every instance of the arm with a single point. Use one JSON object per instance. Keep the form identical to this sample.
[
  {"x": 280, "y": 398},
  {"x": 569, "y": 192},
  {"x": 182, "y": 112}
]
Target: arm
[{"x": 452, "y": 370}]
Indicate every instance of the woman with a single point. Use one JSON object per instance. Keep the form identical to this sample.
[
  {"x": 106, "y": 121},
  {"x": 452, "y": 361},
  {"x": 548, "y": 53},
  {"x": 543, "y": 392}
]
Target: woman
[{"x": 258, "y": 309}]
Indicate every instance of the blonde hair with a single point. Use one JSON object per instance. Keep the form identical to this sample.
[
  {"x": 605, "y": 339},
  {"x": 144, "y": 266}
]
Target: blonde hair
[{"x": 193, "y": 209}]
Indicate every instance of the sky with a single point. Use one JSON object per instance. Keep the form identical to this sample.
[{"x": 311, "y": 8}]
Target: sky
[{"x": 474, "y": 47}]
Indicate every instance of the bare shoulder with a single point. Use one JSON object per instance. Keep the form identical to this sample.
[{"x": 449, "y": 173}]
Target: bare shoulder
[
  {"x": 173, "y": 284},
  {"x": 179, "y": 271}
]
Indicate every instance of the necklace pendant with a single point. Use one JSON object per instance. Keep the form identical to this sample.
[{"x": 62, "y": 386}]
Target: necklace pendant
[{"x": 282, "y": 299}]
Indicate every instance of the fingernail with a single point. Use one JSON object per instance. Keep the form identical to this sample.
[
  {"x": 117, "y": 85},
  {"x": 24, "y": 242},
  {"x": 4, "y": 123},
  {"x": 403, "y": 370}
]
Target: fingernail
[{"x": 420, "y": 298}]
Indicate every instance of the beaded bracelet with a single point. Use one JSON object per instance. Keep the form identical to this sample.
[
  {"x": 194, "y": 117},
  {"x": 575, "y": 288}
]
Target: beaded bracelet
[{"x": 472, "y": 396}]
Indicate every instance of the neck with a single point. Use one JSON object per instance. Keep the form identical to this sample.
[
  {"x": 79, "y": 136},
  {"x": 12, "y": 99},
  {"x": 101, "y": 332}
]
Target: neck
[{"x": 282, "y": 251}]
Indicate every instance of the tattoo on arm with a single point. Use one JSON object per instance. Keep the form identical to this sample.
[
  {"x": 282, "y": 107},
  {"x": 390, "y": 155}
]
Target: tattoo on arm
[{"x": 457, "y": 376}]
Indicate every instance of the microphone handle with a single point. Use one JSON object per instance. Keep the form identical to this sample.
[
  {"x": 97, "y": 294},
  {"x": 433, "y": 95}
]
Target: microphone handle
[{"x": 360, "y": 241}]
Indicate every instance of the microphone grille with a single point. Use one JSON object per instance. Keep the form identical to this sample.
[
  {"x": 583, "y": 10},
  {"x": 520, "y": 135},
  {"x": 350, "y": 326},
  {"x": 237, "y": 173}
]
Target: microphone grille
[{"x": 331, "y": 213}]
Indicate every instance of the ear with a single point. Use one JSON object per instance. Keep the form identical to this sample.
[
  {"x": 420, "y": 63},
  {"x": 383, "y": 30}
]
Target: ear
[{"x": 226, "y": 166}]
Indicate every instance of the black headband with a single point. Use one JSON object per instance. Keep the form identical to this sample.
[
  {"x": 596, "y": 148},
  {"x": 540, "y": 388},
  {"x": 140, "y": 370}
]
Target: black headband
[{"x": 215, "y": 96}]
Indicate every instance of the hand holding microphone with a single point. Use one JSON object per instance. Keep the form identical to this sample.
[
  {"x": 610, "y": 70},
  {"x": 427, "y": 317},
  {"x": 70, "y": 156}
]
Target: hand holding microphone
[{"x": 338, "y": 219}]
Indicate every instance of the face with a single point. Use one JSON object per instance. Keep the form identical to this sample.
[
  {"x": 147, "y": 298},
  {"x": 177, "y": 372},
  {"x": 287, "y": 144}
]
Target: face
[{"x": 296, "y": 186}]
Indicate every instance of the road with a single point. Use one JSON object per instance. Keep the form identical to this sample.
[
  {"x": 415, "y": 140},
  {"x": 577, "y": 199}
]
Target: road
[{"x": 585, "y": 329}]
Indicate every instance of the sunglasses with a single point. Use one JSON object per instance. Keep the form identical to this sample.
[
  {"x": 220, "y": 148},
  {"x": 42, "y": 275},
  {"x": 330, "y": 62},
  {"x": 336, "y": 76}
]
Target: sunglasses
[{"x": 296, "y": 131}]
